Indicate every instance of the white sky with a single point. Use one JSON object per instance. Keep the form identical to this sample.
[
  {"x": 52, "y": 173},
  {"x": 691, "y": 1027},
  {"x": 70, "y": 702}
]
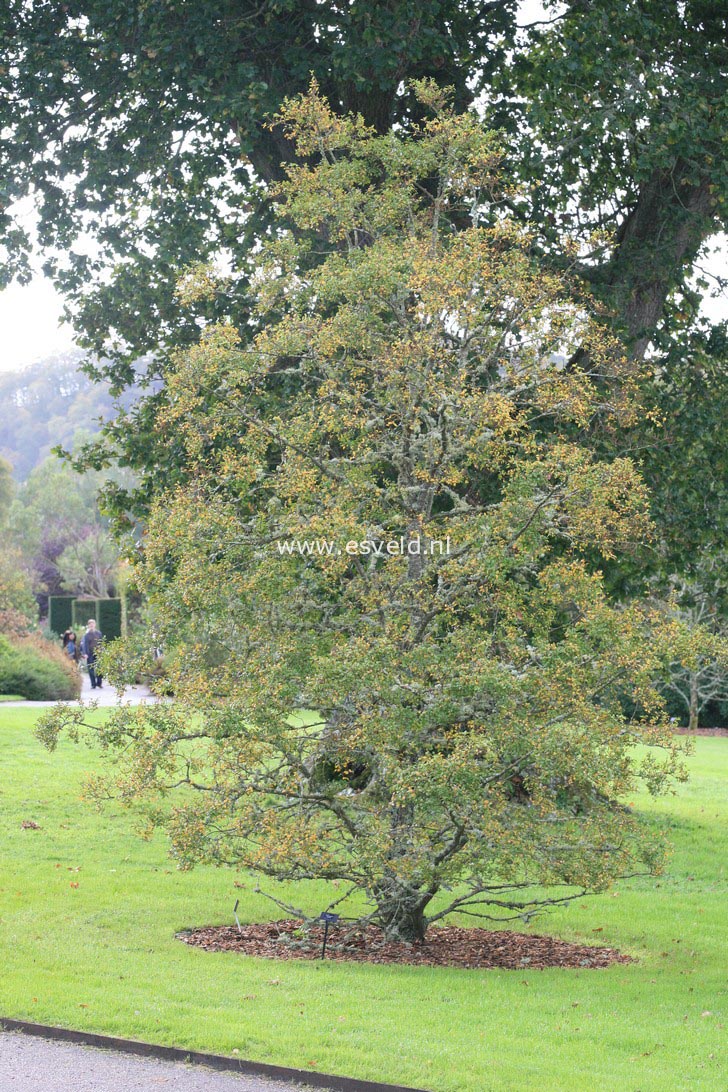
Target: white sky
[{"x": 30, "y": 326}]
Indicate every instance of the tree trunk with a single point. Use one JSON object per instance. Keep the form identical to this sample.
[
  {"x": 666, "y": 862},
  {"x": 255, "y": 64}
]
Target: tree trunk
[
  {"x": 693, "y": 721},
  {"x": 401, "y": 912},
  {"x": 672, "y": 216}
]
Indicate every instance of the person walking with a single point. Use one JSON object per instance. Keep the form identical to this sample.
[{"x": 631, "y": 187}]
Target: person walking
[
  {"x": 90, "y": 643},
  {"x": 71, "y": 645}
]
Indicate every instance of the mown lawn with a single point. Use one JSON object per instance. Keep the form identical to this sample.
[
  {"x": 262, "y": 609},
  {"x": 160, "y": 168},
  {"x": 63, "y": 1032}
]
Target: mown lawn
[{"x": 88, "y": 914}]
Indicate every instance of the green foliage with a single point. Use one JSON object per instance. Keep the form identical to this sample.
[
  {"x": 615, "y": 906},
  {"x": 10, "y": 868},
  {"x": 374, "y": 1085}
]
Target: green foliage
[
  {"x": 90, "y": 564},
  {"x": 622, "y": 95},
  {"x": 625, "y": 106},
  {"x": 613, "y": 113},
  {"x": 164, "y": 104},
  {"x": 609, "y": 113},
  {"x": 53, "y": 503},
  {"x": 15, "y": 584},
  {"x": 60, "y": 613},
  {"x": 685, "y": 451},
  {"x": 7, "y": 489},
  {"x": 108, "y": 617},
  {"x": 37, "y": 670},
  {"x": 65, "y": 540},
  {"x": 106, "y": 612},
  {"x": 698, "y": 671},
  {"x": 407, "y": 386}
]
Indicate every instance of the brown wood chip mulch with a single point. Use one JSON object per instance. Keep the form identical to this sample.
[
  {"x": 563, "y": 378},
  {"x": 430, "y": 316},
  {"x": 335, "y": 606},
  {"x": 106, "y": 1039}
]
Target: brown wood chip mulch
[{"x": 447, "y": 946}]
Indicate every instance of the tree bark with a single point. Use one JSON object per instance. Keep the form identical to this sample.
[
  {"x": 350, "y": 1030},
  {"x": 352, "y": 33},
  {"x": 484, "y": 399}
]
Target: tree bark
[
  {"x": 672, "y": 216},
  {"x": 694, "y": 712},
  {"x": 401, "y": 912}
]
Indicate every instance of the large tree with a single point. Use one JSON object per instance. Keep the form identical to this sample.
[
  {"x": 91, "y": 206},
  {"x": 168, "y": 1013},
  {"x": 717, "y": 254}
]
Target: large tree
[
  {"x": 698, "y": 671},
  {"x": 403, "y": 671},
  {"x": 64, "y": 539},
  {"x": 143, "y": 125}
]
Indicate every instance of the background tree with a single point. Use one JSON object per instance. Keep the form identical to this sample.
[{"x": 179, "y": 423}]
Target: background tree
[
  {"x": 144, "y": 126},
  {"x": 7, "y": 489},
  {"x": 683, "y": 450},
  {"x": 625, "y": 105},
  {"x": 16, "y": 595},
  {"x": 90, "y": 565},
  {"x": 700, "y": 679},
  {"x": 698, "y": 669},
  {"x": 16, "y": 599},
  {"x": 406, "y": 408},
  {"x": 56, "y": 525}
]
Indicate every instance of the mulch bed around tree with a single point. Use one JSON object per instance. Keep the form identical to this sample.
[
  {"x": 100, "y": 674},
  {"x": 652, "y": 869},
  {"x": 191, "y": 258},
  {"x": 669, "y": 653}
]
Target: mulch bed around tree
[{"x": 448, "y": 946}]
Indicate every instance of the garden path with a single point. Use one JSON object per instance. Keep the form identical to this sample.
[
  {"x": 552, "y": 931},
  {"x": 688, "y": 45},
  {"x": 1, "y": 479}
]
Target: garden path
[
  {"x": 31, "y": 1064},
  {"x": 134, "y": 695}
]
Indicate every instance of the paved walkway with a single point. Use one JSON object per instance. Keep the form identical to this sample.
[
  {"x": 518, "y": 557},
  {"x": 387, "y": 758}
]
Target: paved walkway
[
  {"x": 105, "y": 696},
  {"x": 31, "y": 1064}
]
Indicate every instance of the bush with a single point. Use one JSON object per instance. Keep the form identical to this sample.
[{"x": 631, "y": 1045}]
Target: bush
[
  {"x": 13, "y": 623},
  {"x": 37, "y": 670}
]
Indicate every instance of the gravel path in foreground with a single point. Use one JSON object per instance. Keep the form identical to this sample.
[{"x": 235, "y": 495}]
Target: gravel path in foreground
[{"x": 31, "y": 1064}]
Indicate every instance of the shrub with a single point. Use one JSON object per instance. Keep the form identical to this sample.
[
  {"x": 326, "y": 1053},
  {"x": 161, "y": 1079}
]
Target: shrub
[
  {"x": 37, "y": 670},
  {"x": 13, "y": 623}
]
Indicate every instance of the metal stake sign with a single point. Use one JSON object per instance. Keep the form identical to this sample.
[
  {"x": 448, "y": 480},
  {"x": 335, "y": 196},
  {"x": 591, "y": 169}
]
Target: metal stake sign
[{"x": 328, "y": 919}]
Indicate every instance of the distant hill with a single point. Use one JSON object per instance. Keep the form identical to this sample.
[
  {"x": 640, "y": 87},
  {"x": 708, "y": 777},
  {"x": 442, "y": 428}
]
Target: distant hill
[{"x": 46, "y": 404}]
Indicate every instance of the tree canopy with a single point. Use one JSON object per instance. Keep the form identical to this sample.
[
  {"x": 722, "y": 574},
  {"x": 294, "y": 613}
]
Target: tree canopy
[
  {"x": 399, "y": 667},
  {"x": 64, "y": 538},
  {"x": 144, "y": 127}
]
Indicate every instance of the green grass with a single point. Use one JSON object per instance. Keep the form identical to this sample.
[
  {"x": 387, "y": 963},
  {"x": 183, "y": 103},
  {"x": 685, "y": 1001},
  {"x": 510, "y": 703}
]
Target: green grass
[
  {"x": 102, "y": 956},
  {"x": 11, "y": 697}
]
